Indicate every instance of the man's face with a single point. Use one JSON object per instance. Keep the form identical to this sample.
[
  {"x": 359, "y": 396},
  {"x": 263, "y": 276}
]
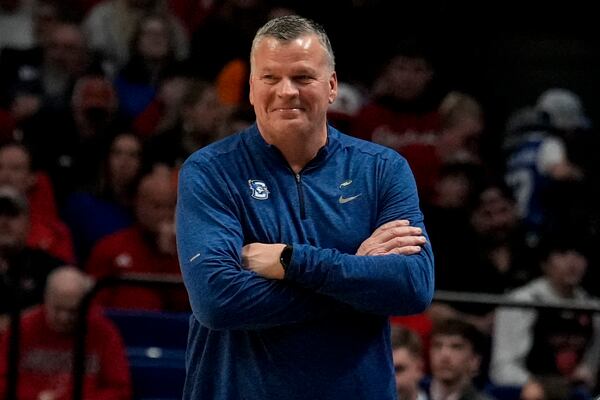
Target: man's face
[
  {"x": 291, "y": 86},
  {"x": 565, "y": 268},
  {"x": 61, "y": 310},
  {"x": 66, "y": 49},
  {"x": 13, "y": 231},
  {"x": 124, "y": 159},
  {"x": 153, "y": 42},
  {"x": 15, "y": 168},
  {"x": 452, "y": 359},
  {"x": 155, "y": 205},
  {"x": 409, "y": 371},
  {"x": 408, "y": 77}
]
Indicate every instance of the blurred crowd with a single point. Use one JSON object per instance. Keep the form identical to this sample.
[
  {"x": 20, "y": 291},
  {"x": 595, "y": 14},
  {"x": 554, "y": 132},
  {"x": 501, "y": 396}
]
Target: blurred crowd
[{"x": 102, "y": 100}]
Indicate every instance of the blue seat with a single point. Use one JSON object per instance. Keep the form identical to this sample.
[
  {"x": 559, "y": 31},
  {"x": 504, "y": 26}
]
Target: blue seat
[
  {"x": 500, "y": 392},
  {"x": 157, "y": 374},
  {"x": 155, "y": 343},
  {"x": 151, "y": 328}
]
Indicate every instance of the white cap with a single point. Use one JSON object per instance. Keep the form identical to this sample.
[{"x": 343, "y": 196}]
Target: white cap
[{"x": 564, "y": 109}]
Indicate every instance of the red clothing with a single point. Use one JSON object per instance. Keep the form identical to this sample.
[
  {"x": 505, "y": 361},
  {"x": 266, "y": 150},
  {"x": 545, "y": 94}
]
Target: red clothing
[
  {"x": 46, "y": 359},
  {"x": 7, "y": 126},
  {"x": 128, "y": 251},
  {"x": 47, "y": 231},
  {"x": 421, "y": 324},
  {"x": 412, "y": 134}
]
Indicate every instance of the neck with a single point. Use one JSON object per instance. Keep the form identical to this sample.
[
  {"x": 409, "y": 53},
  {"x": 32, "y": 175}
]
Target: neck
[
  {"x": 411, "y": 394},
  {"x": 565, "y": 291},
  {"x": 298, "y": 148},
  {"x": 445, "y": 389}
]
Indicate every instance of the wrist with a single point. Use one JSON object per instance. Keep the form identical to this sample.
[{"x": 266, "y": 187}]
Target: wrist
[{"x": 285, "y": 258}]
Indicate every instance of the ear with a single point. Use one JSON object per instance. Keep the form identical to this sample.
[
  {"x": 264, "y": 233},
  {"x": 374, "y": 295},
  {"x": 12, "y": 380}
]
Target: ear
[
  {"x": 251, "y": 92},
  {"x": 474, "y": 364},
  {"x": 31, "y": 180},
  {"x": 333, "y": 87}
]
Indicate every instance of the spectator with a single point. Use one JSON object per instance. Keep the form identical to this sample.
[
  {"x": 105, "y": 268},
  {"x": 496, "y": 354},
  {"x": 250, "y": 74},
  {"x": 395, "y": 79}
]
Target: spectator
[
  {"x": 407, "y": 355},
  {"x": 47, "y": 231},
  {"x": 545, "y": 388},
  {"x": 535, "y": 160},
  {"x": 23, "y": 270},
  {"x": 16, "y": 25},
  {"x": 111, "y": 24},
  {"x": 455, "y": 360},
  {"x": 530, "y": 342},
  {"x": 106, "y": 207},
  {"x": 403, "y": 113},
  {"x": 498, "y": 260},
  {"x": 152, "y": 55},
  {"x": 462, "y": 125},
  {"x": 147, "y": 247},
  {"x": 46, "y": 347},
  {"x": 73, "y": 153},
  {"x": 202, "y": 118}
]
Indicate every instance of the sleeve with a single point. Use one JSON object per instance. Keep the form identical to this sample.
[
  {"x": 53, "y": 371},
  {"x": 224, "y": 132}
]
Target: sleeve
[
  {"x": 591, "y": 358},
  {"x": 114, "y": 381},
  {"x": 4, "y": 339},
  {"x": 512, "y": 341},
  {"x": 222, "y": 294},
  {"x": 552, "y": 152},
  {"x": 387, "y": 285}
]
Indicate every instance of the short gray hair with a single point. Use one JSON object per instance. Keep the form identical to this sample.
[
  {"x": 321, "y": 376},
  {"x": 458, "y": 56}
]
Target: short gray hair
[{"x": 290, "y": 27}]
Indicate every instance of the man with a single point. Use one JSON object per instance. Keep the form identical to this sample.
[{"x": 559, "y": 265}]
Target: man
[
  {"x": 23, "y": 269},
  {"x": 297, "y": 242},
  {"x": 561, "y": 344},
  {"x": 47, "y": 231},
  {"x": 403, "y": 111},
  {"x": 46, "y": 349},
  {"x": 454, "y": 357},
  {"x": 407, "y": 353},
  {"x": 147, "y": 248}
]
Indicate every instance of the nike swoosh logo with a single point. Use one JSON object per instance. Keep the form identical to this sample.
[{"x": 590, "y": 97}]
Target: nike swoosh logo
[
  {"x": 343, "y": 199},
  {"x": 346, "y": 183}
]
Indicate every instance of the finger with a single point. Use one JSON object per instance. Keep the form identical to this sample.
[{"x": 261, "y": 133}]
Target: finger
[
  {"x": 392, "y": 224},
  {"x": 403, "y": 231},
  {"x": 406, "y": 250},
  {"x": 398, "y": 242}
]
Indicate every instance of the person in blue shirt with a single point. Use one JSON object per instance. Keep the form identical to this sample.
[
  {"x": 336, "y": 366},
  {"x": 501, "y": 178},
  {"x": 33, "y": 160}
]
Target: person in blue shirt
[{"x": 296, "y": 241}]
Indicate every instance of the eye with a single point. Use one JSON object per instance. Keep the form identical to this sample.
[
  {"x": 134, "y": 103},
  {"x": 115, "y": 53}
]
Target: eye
[
  {"x": 269, "y": 78},
  {"x": 304, "y": 78}
]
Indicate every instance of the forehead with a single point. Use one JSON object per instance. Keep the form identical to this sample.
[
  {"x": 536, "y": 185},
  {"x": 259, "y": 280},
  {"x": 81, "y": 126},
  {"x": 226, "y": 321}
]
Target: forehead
[
  {"x": 449, "y": 340},
  {"x": 306, "y": 50},
  {"x": 14, "y": 153}
]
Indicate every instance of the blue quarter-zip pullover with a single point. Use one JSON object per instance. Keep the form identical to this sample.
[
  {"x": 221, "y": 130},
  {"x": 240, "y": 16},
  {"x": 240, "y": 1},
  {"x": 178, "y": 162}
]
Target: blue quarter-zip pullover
[{"x": 323, "y": 331}]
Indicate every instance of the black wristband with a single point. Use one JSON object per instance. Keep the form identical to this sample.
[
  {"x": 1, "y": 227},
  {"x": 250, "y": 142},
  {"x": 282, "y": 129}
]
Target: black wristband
[{"x": 286, "y": 256}]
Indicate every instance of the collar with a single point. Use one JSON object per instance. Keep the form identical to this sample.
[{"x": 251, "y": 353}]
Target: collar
[{"x": 255, "y": 140}]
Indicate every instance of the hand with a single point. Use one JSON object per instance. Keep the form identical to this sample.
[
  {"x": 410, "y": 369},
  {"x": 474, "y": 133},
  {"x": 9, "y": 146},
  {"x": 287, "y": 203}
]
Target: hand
[
  {"x": 47, "y": 395},
  {"x": 263, "y": 259},
  {"x": 165, "y": 239},
  {"x": 583, "y": 375},
  {"x": 395, "y": 237},
  {"x": 24, "y": 106}
]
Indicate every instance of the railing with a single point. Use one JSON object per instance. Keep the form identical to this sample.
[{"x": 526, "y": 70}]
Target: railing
[
  {"x": 81, "y": 333},
  {"x": 161, "y": 281}
]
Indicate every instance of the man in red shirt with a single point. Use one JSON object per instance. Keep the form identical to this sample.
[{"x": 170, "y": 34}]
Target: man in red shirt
[
  {"x": 45, "y": 362},
  {"x": 147, "y": 247}
]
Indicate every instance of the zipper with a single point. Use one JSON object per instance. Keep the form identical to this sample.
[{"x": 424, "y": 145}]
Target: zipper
[{"x": 300, "y": 196}]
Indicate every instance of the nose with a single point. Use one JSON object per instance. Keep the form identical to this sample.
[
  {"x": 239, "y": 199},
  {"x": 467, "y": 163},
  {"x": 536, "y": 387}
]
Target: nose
[{"x": 287, "y": 88}]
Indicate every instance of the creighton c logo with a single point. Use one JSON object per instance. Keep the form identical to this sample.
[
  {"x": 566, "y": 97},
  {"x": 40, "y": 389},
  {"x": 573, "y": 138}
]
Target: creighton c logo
[{"x": 259, "y": 189}]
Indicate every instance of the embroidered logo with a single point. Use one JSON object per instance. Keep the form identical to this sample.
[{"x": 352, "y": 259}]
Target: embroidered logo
[
  {"x": 342, "y": 199},
  {"x": 259, "y": 189}
]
